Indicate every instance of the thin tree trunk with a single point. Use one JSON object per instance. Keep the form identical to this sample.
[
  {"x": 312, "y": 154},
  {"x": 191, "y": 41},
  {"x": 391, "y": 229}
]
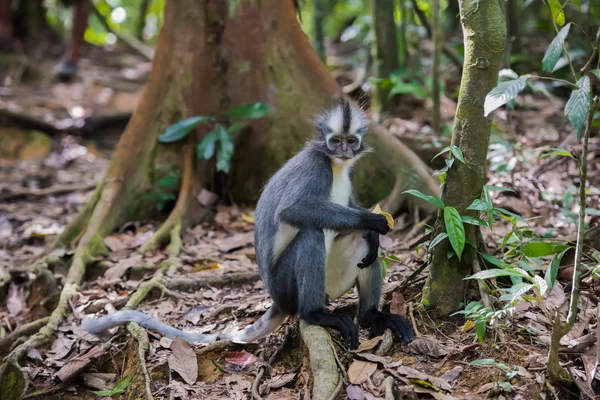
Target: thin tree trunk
[
  {"x": 385, "y": 53},
  {"x": 484, "y": 32},
  {"x": 437, "y": 51},
  {"x": 513, "y": 13},
  {"x": 318, "y": 17}
]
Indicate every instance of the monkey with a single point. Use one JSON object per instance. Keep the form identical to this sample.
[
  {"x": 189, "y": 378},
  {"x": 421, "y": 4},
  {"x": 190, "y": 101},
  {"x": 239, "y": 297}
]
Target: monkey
[{"x": 312, "y": 242}]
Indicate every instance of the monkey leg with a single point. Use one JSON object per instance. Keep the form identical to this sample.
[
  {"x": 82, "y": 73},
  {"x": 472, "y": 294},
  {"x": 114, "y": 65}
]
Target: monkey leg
[
  {"x": 306, "y": 256},
  {"x": 368, "y": 285}
]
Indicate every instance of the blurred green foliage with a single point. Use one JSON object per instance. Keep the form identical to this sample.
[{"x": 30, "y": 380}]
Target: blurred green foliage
[{"x": 122, "y": 15}]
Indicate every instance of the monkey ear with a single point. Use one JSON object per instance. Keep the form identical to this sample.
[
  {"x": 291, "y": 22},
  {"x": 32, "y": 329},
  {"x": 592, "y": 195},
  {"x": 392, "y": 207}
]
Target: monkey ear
[{"x": 321, "y": 125}]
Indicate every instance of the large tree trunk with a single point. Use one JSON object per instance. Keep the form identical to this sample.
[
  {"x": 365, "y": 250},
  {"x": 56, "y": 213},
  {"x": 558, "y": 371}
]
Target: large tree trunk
[
  {"x": 385, "y": 53},
  {"x": 484, "y": 32},
  {"x": 210, "y": 56}
]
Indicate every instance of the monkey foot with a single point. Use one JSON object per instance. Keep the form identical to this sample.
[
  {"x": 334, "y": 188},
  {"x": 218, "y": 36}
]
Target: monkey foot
[
  {"x": 340, "y": 322},
  {"x": 379, "y": 321}
]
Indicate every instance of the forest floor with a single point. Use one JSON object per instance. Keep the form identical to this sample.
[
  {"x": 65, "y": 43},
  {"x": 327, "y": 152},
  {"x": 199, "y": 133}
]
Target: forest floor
[{"x": 46, "y": 179}]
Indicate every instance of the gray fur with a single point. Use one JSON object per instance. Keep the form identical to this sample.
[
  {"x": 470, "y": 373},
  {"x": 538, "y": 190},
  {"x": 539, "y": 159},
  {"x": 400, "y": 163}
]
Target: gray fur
[{"x": 300, "y": 217}]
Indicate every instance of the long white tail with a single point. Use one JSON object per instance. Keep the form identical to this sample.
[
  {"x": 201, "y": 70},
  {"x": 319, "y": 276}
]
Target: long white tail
[{"x": 266, "y": 324}]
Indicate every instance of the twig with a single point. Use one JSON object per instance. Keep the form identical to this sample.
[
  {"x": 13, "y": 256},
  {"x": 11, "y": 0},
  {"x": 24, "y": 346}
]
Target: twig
[
  {"x": 52, "y": 190},
  {"x": 132, "y": 42},
  {"x": 21, "y": 331},
  {"x": 389, "y": 388},
  {"x": 205, "y": 280},
  {"x": 482, "y": 291},
  {"x": 556, "y": 372},
  {"x": 412, "y": 276},
  {"x": 386, "y": 343},
  {"x": 141, "y": 336},
  {"x": 448, "y": 51},
  {"x": 263, "y": 369},
  {"x": 412, "y": 319}
]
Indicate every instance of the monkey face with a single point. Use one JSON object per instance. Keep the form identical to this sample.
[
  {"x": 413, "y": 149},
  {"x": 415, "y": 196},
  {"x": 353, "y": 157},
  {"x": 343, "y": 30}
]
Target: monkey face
[{"x": 343, "y": 129}]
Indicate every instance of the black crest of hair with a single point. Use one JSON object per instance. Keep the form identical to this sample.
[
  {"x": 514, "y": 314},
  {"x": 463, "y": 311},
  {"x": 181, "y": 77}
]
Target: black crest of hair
[{"x": 346, "y": 116}]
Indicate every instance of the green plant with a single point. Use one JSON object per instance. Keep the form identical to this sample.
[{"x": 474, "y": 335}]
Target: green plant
[
  {"x": 509, "y": 373},
  {"x": 219, "y": 134},
  {"x": 164, "y": 192}
]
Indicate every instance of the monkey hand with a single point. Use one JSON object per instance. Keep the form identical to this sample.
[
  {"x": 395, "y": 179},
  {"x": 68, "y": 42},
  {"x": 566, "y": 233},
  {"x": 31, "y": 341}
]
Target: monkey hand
[
  {"x": 377, "y": 223},
  {"x": 379, "y": 321},
  {"x": 372, "y": 238}
]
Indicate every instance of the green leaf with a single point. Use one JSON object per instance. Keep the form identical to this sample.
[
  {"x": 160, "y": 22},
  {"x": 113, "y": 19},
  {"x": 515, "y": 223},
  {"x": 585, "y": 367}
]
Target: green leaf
[
  {"x": 119, "y": 388},
  {"x": 480, "y": 328},
  {"x": 578, "y": 4},
  {"x": 578, "y": 106},
  {"x": 478, "y": 205},
  {"x": 522, "y": 289},
  {"x": 225, "y": 150},
  {"x": 206, "y": 148},
  {"x": 455, "y": 230},
  {"x": 444, "y": 150},
  {"x": 556, "y": 9},
  {"x": 542, "y": 249},
  {"x": 492, "y": 260},
  {"x": 168, "y": 180},
  {"x": 499, "y": 188},
  {"x": 473, "y": 221},
  {"x": 596, "y": 72},
  {"x": 251, "y": 110},
  {"x": 431, "y": 199},
  {"x": 555, "y": 49},
  {"x": 503, "y": 93},
  {"x": 556, "y": 152},
  {"x": 235, "y": 127},
  {"x": 457, "y": 152},
  {"x": 592, "y": 211},
  {"x": 496, "y": 272},
  {"x": 437, "y": 239},
  {"x": 506, "y": 386},
  {"x": 540, "y": 284},
  {"x": 552, "y": 271},
  {"x": 180, "y": 130},
  {"x": 483, "y": 361}
]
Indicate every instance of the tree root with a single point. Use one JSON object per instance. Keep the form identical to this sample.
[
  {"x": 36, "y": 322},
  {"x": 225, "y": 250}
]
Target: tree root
[
  {"x": 21, "y": 331},
  {"x": 327, "y": 381},
  {"x": 263, "y": 369},
  {"x": 141, "y": 336},
  {"x": 406, "y": 164},
  {"x": 52, "y": 190},
  {"x": 195, "y": 284},
  {"x": 170, "y": 231}
]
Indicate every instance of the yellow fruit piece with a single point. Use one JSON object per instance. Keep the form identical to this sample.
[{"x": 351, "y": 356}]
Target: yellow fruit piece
[
  {"x": 388, "y": 216},
  {"x": 248, "y": 218},
  {"x": 469, "y": 325}
]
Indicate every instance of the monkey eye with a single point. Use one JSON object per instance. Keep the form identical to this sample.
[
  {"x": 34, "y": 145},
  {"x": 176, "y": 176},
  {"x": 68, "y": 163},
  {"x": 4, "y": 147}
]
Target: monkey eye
[
  {"x": 351, "y": 140},
  {"x": 336, "y": 140}
]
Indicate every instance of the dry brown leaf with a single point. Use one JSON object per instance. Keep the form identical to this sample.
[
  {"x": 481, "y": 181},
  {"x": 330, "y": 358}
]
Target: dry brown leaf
[
  {"x": 451, "y": 375},
  {"x": 283, "y": 394},
  {"x": 428, "y": 347},
  {"x": 121, "y": 267},
  {"x": 15, "y": 302},
  {"x": 74, "y": 366},
  {"x": 235, "y": 241},
  {"x": 183, "y": 360},
  {"x": 241, "y": 358},
  {"x": 280, "y": 380},
  {"x": 556, "y": 297},
  {"x": 369, "y": 344},
  {"x": 193, "y": 316},
  {"x": 398, "y": 305},
  {"x": 355, "y": 392},
  {"x": 60, "y": 348},
  {"x": 360, "y": 371},
  {"x": 114, "y": 243},
  {"x": 416, "y": 374}
]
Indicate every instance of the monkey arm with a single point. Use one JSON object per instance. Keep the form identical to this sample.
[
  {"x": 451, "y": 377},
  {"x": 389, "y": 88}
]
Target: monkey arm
[{"x": 322, "y": 214}]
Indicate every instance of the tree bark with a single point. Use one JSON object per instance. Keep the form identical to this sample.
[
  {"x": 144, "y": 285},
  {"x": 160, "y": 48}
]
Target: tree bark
[
  {"x": 484, "y": 32},
  {"x": 385, "y": 53},
  {"x": 436, "y": 24}
]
